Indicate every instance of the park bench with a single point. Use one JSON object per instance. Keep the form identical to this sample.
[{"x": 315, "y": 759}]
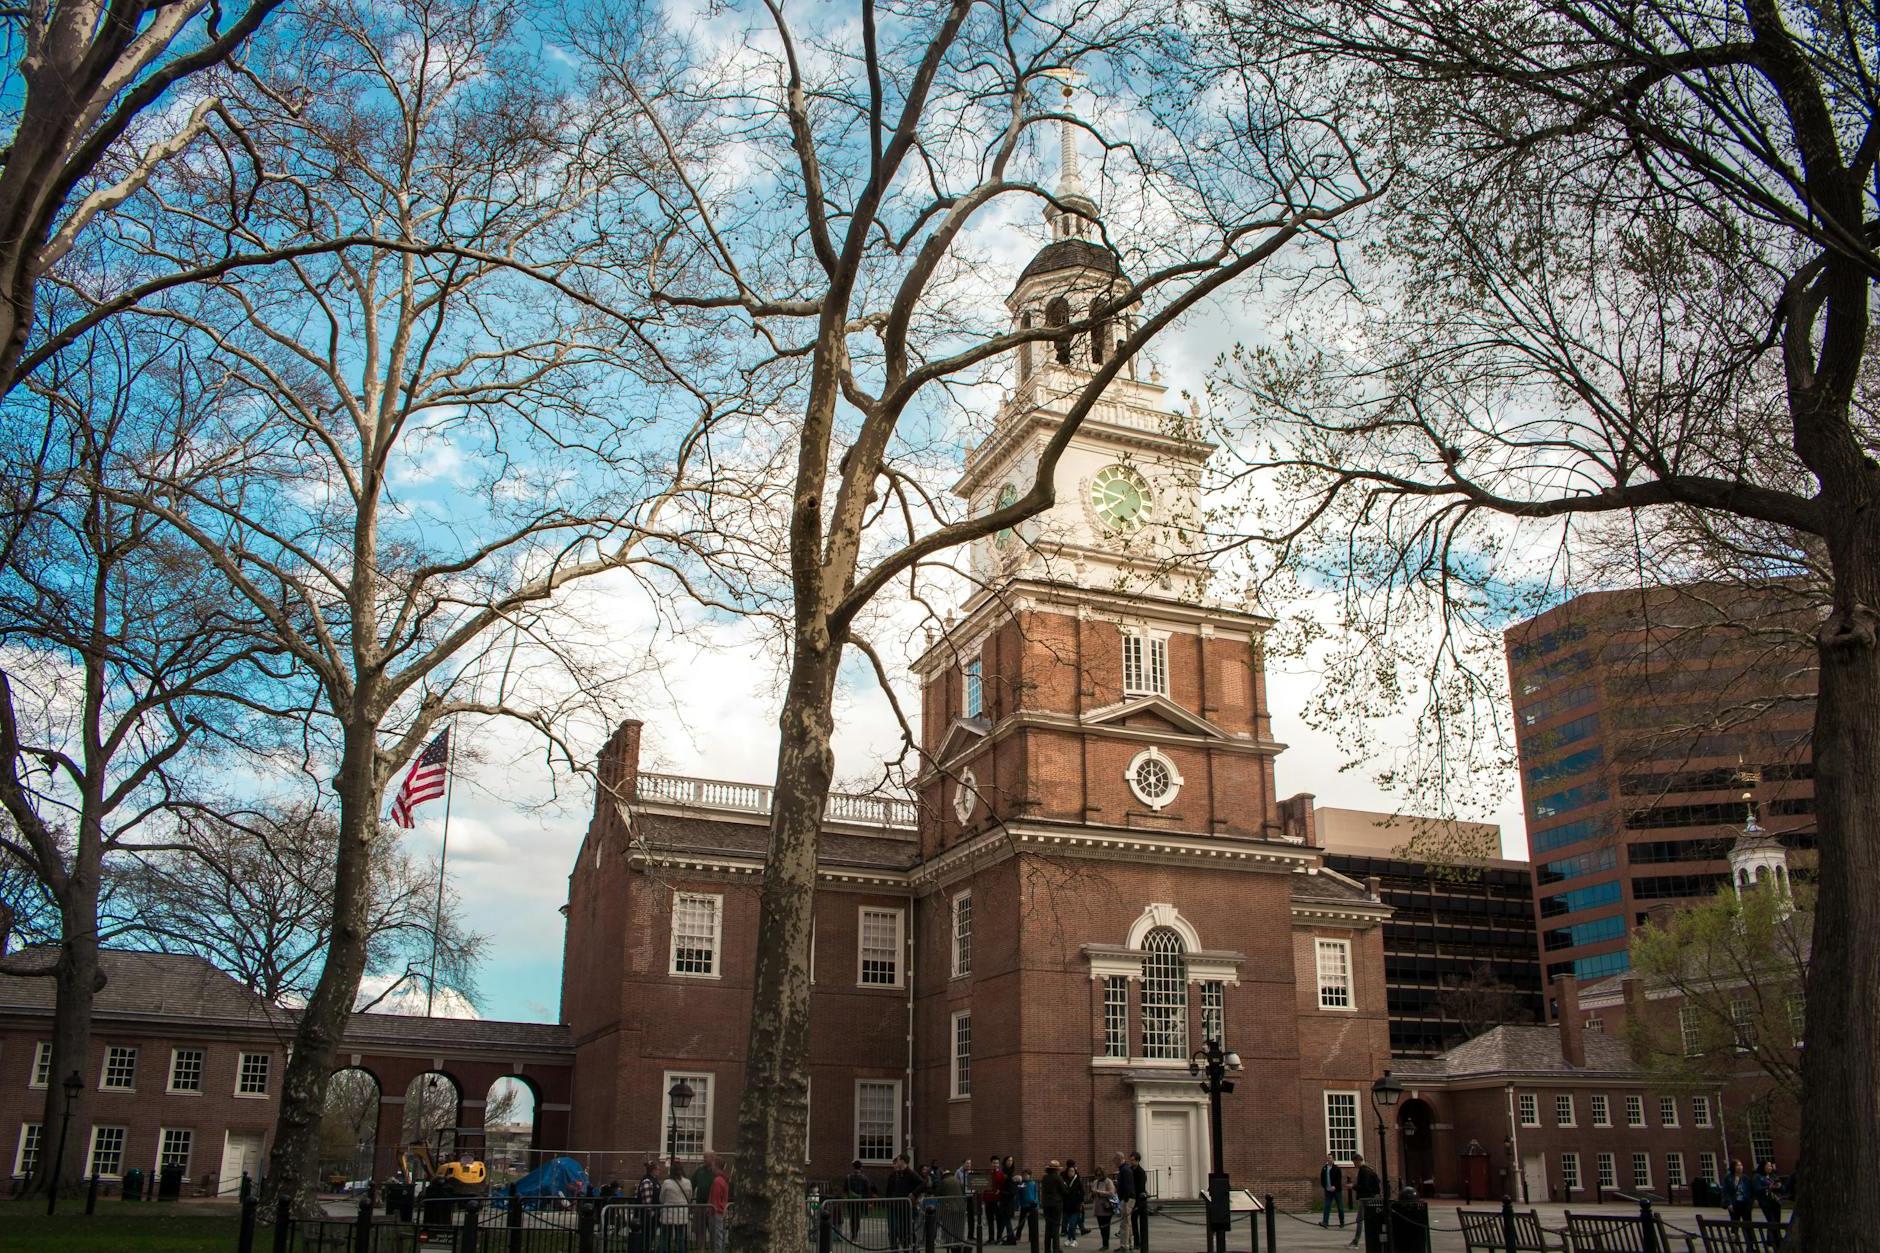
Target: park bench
[
  {"x": 1726, "y": 1235},
  {"x": 1484, "y": 1229},
  {"x": 1623, "y": 1233}
]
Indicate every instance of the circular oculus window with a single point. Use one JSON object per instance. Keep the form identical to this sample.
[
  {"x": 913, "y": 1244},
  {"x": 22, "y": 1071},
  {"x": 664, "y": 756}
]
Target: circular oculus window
[{"x": 1153, "y": 778}]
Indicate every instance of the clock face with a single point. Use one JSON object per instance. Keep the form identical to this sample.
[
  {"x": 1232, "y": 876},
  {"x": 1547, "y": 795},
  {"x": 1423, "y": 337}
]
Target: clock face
[{"x": 1119, "y": 498}]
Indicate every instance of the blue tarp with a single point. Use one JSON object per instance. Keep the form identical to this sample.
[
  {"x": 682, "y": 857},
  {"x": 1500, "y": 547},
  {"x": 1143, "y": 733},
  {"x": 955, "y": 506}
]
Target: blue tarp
[{"x": 554, "y": 1178}]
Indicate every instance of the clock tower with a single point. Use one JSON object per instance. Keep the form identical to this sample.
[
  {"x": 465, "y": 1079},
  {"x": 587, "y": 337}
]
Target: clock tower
[{"x": 1089, "y": 681}]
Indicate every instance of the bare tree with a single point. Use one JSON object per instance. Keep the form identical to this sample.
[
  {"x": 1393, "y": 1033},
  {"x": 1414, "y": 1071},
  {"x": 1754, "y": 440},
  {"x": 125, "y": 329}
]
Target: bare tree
[
  {"x": 252, "y": 893},
  {"x": 422, "y": 443},
  {"x": 1627, "y": 272},
  {"x": 843, "y": 244},
  {"x": 124, "y": 663},
  {"x": 90, "y": 83}
]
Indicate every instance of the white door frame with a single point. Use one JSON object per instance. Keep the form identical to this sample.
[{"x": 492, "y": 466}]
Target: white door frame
[{"x": 1176, "y": 1096}]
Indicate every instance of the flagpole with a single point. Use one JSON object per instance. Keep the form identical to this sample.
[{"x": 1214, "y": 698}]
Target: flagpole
[{"x": 443, "y": 856}]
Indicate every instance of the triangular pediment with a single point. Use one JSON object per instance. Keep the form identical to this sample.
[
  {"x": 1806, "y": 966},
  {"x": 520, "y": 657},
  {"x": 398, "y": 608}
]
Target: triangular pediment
[
  {"x": 963, "y": 734},
  {"x": 1145, "y": 712}
]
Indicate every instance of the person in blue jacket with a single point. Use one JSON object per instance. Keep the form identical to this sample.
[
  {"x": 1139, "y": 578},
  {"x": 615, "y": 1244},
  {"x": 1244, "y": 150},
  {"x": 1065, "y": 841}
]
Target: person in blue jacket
[{"x": 1739, "y": 1193}]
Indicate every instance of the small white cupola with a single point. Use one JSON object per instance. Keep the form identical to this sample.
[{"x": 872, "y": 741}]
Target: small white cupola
[{"x": 1757, "y": 859}]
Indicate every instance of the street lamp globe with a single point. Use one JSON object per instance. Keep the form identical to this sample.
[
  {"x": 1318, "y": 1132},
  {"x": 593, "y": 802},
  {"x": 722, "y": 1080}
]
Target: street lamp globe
[
  {"x": 1233, "y": 1060},
  {"x": 72, "y": 1084},
  {"x": 1386, "y": 1091},
  {"x": 680, "y": 1094}
]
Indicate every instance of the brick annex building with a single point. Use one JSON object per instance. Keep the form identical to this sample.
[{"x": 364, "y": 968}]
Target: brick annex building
[{"x": 1094, "y": 874}]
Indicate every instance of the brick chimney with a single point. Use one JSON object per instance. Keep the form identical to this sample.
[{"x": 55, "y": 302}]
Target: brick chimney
[
  {"x": 1567, "y": 1014},
  {"x": 618, "y": 766},
  {"x": 1297, "y": 822},
  {"x": 1634, "y": 993}
]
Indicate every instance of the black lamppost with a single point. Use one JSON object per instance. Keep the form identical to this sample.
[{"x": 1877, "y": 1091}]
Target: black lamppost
[
  {"x": 1385, "y": 1093},
  {"x": 73, "y": 1084},
  {"x": 679, "y": 1095},
  {"x": 1210, "y": 1060}
]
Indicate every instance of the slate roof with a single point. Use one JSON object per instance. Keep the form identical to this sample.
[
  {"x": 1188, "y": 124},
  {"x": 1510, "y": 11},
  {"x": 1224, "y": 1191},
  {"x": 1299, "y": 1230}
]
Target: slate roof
[
  {"x": 452, "y": 1033},
  {"x": 1065, "y": 254},
  {"x": 1519, "y": 1050},
  {"x": 1329, "y": 886},
  {"x": 168, "y": 985},
  {"x": 683, "y": 834}
]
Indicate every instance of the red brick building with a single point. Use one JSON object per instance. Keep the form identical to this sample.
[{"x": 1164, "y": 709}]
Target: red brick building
[
  {"x": 185, "y": 1067},
  {"x": 1554, "y": 1113},
  {"x": 1095, "y": 871}
]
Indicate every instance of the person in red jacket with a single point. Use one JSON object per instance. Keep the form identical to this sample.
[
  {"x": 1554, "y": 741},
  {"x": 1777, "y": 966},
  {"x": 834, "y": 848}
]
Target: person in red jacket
[{"x": 720, "y": 1201}]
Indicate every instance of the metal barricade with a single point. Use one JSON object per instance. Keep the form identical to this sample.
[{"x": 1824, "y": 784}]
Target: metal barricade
[
  {"x": 885, "y": 1225},
  {"x": 632, "y": 1228}
]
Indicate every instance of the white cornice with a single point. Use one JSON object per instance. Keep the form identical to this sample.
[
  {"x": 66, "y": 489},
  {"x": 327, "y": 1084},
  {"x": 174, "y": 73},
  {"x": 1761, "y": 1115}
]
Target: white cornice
[
  {"x": 1006, "y": 727},
  {"x": 734, "y": 867}
]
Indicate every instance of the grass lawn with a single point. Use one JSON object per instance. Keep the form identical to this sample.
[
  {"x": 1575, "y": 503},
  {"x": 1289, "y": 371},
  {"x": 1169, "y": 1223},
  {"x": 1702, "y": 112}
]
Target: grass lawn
[{"x": 117, "y": 1227}]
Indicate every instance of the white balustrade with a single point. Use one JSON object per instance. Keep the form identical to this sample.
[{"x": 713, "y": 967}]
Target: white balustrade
[{"x": 755, "y": 798}]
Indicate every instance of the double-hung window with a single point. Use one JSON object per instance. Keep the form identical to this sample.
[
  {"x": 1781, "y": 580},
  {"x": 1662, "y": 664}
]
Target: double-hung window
[
  {"x": 1563, "y": 1109},
  {"x": 1341, "y": 1126},
  {"x": 697, "y": 927},
  {"x": 173, "y": 1146},
  {"x": 1334, "y": 970},
  {"x": 1690, "y": 1030},
  {"x": 1674, "y": 1170},
  {"x": 1115, "y": 1016},
  {"x": 1608, "y": 1171},
  {"x": 1635, "y": 1111},
  {"x": 1529, "y": 1106},
  {"x": 120, "y": 1069},
  {"x": 1570, "y": 1172},
  {"x": 975, "y": 691},
  {"x": 1668, "y": 1111},
  {"x": 879, "y": 953},
  {"x": 26, "y": 1158},
  {"x": 42, "y": 1064},
  {"x": 962, "y": 1055},
  {"x": 1145, "y": 664},
  {"x": 185, "y": 1071},
  {"x": 251, "y": 1078},
  {"x": 687, "y": 1130},
  {"x": 1641, "y": 1170},
  {"x": 1700, "y": 1111},
  {"x": 877, "y": 1119},
  {"x": 962, "y": 935},
  {"x": 1602, "y": 1110},
  {"x": 107, "y": 1152}
]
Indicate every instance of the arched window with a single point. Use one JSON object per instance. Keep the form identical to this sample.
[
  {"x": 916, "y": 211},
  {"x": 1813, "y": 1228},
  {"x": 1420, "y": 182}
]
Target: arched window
[
  {"x": 1024, "y": 350},
  {"x": 1164, "y": 995},
  {"x": 1099, "y": 334},
  {"x": 1058, "y": 313}
]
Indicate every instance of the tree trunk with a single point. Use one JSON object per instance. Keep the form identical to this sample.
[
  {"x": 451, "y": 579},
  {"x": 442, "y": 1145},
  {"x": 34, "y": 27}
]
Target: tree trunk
[
  {"x": 1838, "y": 1207},
  {"x": 293, "y": 1163},
  {"x": 773, "y": 1110},
  {"x": 77, "y": 984}
]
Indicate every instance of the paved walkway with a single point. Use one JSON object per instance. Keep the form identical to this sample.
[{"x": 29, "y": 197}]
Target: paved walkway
[{"x": 1301, "y": 1233}]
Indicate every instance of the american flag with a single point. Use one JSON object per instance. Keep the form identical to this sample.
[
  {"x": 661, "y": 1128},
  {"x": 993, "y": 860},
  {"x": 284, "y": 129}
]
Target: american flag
[{"x": 424, "y": 781}]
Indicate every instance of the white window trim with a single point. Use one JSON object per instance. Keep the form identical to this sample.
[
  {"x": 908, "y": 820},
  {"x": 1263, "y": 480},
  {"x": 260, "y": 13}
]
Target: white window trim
[
  {"x": 1572, "y": 1157},
  {"x": 104, "y": 1070},
  {"x": 954, "y": 1093},
  {"x": 1606, "y": 1170},
  {"x": 169, "y": 1080},
  {"x": 1602, "y": 1110},
  {"x": 91, "y": 1148},
  {"x": 1647, "y": 1159},
  {"x": 1175, "y": 780},
  {"x": 900, "y": 945},
  {"x": 1153, "y": 642},
  {"x": 189, "y": 1157},
  {"x": 41, "y": 1048},
  {"x": 1684, "y": 1179},
  {"x": 1700, "y": 1112},
  {"x": 262, "y": 1095},
  {"x": 665, "y": 1104},
  {"x": 1319, "y": 945},
  {"x": 855, "y": 1128},
  {"x": 960, "y": 969},
  {"x": 1635, "y": 1103},
  {"x": 1573, "y": 1116},
  {"x": 1669, "y": 1103},
  {"x": 1528, "y": 1108},
  {"x": 19, "y": 1146},
  {"x": 718, "y": 937},
  {"x": 1325, "y": 1112},
  {"x": 973, "y": 688}
]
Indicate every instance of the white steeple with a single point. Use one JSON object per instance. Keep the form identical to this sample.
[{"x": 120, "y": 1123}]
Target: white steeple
[
  {"x": 1065, "y": 224},
  {"x": 1756, "y": 857}
]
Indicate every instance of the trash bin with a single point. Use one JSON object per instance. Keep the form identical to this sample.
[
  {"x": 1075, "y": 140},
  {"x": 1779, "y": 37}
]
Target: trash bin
[
  {"x": 1369, "y": 1211},
  {"x": 170, "y": 1183},
  {"x": 1410, "y": 1227},
  {"x": 133, "y": 1185}
]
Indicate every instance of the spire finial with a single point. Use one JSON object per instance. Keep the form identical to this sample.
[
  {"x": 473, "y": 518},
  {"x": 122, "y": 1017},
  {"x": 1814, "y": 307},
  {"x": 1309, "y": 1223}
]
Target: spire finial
[{"x": 1070, "y": 180}]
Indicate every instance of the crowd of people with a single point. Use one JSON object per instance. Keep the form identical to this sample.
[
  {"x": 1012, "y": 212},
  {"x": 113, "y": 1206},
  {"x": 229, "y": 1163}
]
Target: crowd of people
[
  {"x": 1747, "y": 1192},
  {"x": 671, "y": 1211},
  {"x": 1001, "y": 1203}
]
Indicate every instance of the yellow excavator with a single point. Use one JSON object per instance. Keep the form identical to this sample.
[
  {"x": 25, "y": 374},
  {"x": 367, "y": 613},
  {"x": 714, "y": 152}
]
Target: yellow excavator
[{"x": 442, "y": 1178}]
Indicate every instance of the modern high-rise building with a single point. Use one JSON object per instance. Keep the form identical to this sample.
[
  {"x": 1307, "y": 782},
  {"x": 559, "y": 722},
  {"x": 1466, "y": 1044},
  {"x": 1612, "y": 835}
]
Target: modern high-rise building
[
  {"x": 1642, "y": 720},
  {"x": 1459, "y": 947}
]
